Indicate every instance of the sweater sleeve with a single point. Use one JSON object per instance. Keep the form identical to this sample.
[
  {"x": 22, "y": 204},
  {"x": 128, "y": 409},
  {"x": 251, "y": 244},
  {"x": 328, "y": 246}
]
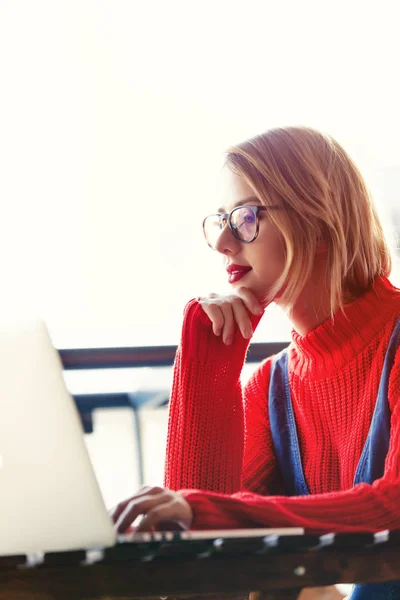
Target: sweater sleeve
[
  {"x": 363, "y": 507},
  {"x": 205, "y": 429}
]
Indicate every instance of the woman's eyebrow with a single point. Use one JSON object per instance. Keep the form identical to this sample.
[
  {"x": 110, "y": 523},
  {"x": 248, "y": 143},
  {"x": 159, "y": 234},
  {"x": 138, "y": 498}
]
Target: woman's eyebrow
[{"x": 242, "y": 202}]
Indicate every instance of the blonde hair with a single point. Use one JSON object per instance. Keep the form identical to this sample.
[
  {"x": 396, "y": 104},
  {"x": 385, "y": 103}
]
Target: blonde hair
[{"x": 323, "y": 197}]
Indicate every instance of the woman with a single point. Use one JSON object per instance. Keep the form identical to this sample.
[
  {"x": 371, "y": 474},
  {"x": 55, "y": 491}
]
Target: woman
[{"x": 313, "y": 440}]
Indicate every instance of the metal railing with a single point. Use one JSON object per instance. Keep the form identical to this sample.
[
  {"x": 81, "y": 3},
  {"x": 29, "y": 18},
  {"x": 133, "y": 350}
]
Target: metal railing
[
  {"x": 145, "y": 356},
  {"x": 134, "y": 357}
]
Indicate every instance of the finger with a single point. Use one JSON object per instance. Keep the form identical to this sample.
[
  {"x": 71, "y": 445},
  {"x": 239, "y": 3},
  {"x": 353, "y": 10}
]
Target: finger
[
  {"x": 242, "y": 318},
  {"x": 160, "y": 514},
  {"x": 250, "y": 301},
  {"x": 118, "y": 510},
  {"x": 172, "y": 526},
  {"x": 228, "y": 331},
  {"x": 214, "y": 313},
  {"x": 121, "y": 506},
  {"x": 137, "y": 507}
]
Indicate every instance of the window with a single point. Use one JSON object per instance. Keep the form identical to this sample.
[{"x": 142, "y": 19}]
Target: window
[{"x": 112, "y": 134}]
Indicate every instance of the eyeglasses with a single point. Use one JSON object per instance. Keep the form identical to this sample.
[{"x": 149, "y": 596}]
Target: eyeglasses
[{"x": 243, "y": 221}]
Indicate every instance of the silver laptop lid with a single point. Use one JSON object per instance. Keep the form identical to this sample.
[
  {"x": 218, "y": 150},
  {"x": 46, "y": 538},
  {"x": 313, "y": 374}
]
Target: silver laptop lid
[{"x": 49, "y": 496}]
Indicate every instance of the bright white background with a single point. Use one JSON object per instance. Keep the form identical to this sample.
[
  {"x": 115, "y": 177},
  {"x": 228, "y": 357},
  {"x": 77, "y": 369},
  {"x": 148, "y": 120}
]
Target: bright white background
[
  {"x": 113, "y": 119},
  {"x": 114, "y": 116}
]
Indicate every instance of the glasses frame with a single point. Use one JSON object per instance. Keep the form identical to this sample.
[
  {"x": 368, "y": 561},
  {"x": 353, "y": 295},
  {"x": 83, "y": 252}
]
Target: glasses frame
[{"x": 226, "y": 217}]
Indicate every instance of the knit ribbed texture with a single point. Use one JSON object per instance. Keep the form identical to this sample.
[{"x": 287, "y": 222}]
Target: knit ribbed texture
[{"x": 219, "y": 439}]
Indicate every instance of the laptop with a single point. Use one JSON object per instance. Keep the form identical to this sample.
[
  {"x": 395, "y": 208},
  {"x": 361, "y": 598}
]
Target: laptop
[
  {"x": 49, "y": 497},
  {"x": 50, "y": 500}
]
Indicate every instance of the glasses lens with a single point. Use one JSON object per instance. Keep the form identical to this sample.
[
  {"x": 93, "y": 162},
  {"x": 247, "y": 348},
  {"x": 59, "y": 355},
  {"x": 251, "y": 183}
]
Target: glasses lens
[
  {"x": 212, "y": 229},
  {"x": 244, "y": 223}
]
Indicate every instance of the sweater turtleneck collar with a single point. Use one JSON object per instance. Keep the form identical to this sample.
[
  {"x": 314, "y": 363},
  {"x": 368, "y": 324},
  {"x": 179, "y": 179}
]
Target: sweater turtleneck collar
[{"x": 331, "y": 345}]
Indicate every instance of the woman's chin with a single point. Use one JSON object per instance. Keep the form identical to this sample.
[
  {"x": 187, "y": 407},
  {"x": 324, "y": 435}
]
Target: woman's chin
[
  {"x": 263, "y": 296},
  {"x": 260, "y": 293}
]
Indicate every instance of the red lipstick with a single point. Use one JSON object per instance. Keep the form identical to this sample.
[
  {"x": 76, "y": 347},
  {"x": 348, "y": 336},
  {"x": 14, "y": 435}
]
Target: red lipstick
[{"x": 236, "y": 272}]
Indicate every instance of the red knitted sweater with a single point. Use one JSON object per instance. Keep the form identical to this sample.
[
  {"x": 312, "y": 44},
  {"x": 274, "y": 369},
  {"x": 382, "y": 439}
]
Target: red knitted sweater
[{"x": 219, "y": 449}]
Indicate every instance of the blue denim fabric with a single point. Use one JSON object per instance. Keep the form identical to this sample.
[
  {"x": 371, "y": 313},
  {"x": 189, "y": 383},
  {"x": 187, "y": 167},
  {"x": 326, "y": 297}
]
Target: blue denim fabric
[
  {"x": 376, "y": 591},
  {"x": 372, "y": 461}
]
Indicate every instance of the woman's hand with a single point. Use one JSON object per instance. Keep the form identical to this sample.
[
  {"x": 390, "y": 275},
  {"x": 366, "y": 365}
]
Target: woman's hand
[
  {"x": 156, "y": 505},
  {"x": 225, "y": 312}
]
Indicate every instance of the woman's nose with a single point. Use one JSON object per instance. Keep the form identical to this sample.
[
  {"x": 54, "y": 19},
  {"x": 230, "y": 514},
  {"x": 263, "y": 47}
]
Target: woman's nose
[{"x": 227, "y": 243}]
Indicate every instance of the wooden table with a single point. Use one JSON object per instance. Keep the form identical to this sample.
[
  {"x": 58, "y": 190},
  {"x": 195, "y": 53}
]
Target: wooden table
[{"x": 267, "y": 568}]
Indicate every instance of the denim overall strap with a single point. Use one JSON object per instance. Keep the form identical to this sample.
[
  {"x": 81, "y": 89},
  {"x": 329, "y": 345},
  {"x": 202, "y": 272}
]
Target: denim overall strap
[
  {"x": 372, "y": 462},
  {"x": 283, "y": 428}
]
